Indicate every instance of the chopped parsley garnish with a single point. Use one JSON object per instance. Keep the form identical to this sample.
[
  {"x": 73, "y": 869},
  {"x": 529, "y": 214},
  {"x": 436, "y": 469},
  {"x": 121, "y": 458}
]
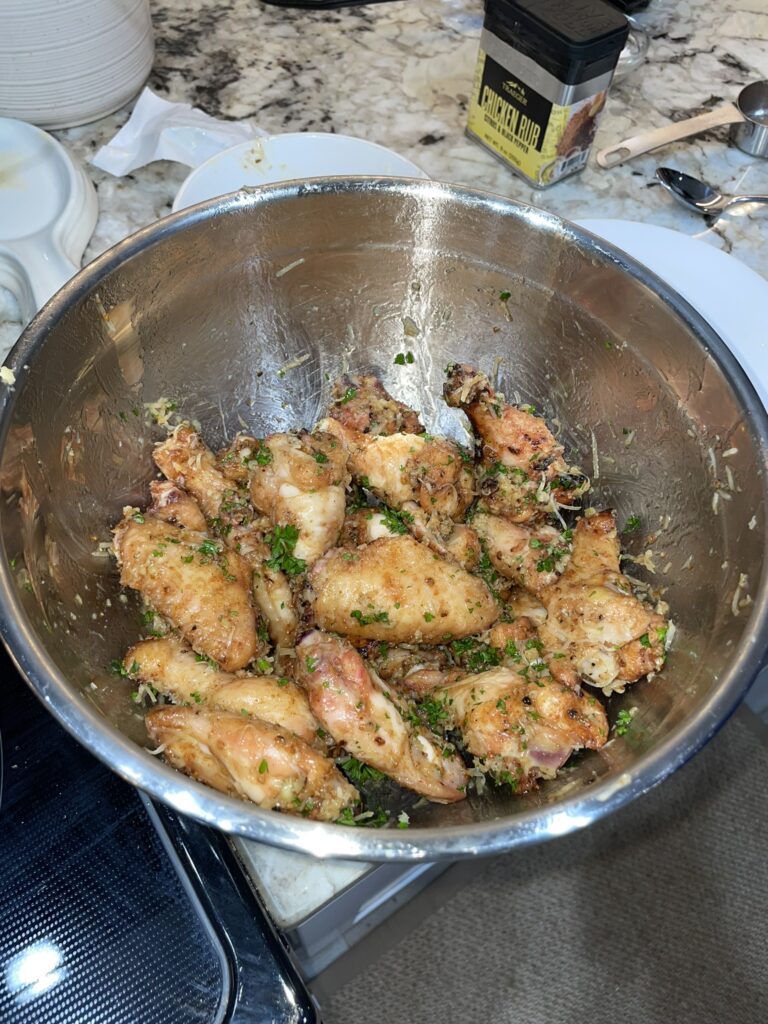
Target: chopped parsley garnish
[
  {"x": 504, "y": 296},
  {"x": 282, "y": 681},
  {"x": 366, "y": 620},
  {"x": 546, "y": 564},
  {"x": 348, "y": 395},
  {"x": 501, "y": 705},
  {"x": 282, "y": 541},
  {"x": 358, "y": 772},
  {"x": 434, "y": 711},
  {"x": 263, "y": 766},
  {"x": 320, "y": 457},
  {"x": 208, "y": 661},
  {"x": 118, "y": 668},
  {"x": 368, "y": 819},
  {"x": 396, "y": 522},
  {"x": 137, "y": 517},
  {"x": 403, "y": 821},
  {"x": 263, "y": 666},
  {"x": 631, "y": 524},
  {"x": 404, "y": 357},
  {"x": 196, "y": 697},
  {"x": 208, "y": 549},
  {"x": 311, "y": 663},
  {"x": 645, "y": 640},
  {"x": 428, "y": 616},
  {"x": 262, "y": 456},
  {"x": 623, "y": 723},
  {"x": 475, "y": 656}
]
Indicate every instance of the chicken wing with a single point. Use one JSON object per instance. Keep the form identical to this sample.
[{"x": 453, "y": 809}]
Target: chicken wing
[
  {"x": 522, "y": 474},
  {"x": 531, "y": 556},
  {"x": 194, "y": 582},
  {"x": 521, "y": 730},
  {"x": 361, "y": 403},
  {"x": 187, "y": 678},
  {"x": 399, "y": 468},
  {"x": 174, "y": 505},
  {"x": 601, "y": 631},
  {"x": 362, "y": 715},
  {"x": 251, "y": 759},
  {"x": 186, "y": 460},
  {"x": 396, "y": 589},
  {"x": 301, "y": 484}
]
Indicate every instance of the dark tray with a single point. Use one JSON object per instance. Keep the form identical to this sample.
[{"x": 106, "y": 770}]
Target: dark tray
[{"x": 117, "y": 911}]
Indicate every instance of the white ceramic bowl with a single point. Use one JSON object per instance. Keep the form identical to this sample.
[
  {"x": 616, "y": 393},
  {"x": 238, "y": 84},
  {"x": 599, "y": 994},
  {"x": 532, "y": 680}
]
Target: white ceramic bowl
[{"x": 294, "y": 155}]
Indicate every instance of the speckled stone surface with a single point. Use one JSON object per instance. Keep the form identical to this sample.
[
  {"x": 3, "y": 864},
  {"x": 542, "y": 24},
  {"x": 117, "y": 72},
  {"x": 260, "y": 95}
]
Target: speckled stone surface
[{"x": 399, "y": 74}]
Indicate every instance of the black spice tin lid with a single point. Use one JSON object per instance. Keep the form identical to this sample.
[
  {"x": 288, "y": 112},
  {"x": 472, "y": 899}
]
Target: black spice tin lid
[{"x": 574, "y": 39}]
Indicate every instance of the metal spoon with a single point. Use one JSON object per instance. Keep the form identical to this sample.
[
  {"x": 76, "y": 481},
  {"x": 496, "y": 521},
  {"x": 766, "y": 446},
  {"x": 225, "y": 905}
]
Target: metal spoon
[{"x": 699, "y": 197}]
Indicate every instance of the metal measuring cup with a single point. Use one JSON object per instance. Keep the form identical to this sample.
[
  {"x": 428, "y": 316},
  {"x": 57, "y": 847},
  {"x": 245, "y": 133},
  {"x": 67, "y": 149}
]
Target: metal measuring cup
[{"x": 748, "y": 118}]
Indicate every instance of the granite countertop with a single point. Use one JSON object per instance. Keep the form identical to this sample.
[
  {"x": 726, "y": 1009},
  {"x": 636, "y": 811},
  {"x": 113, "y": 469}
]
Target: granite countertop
[{"x": 399, "y": 74}]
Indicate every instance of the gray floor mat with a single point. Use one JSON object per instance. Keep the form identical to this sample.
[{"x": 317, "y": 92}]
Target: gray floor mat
[{"x": 658, "y": 914}]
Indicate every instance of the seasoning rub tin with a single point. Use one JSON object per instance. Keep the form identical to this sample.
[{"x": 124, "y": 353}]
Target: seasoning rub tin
[{"x": 542, "y": 75}]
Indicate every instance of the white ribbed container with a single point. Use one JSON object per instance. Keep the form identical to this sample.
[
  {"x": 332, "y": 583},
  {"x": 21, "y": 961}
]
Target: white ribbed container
[{"x": 68, "y": 62}]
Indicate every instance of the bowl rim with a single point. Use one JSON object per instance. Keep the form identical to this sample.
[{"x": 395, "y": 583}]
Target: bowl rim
[{"x": 134, "y": 763}]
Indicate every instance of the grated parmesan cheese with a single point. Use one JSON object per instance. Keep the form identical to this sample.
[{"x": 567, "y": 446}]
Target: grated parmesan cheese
[
  {"x": 293, "y": 363},
  {"x": 290, "y": 267}
]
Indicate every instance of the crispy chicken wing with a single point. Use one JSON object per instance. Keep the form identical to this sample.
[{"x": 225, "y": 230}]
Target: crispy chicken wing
[
  {"x": 361, "y": 403},
  {"x": 175, "y": 670},
  {"x": 608, "y": 636},
  {"x": 194, "y": 582},
  {"x": 522, "y": 730},
  {"x": 251, "y": 759},
  {"x": 362, "y": 715},
  {"x": 522, "y": 473},
  {"x": 302, "y": 484},
  {"x": 531, "y": 556},
  {"x": 398, "y": 590}
]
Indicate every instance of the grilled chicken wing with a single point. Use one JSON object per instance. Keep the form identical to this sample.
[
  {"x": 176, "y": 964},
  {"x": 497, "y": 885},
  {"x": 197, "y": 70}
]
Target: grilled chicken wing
[
  {"x": 361, "y": 714},
  {"x": 531, "y": 556},
  {"x": 608, "y": 637},
  {"x": 194, "y": 582},
  {"x": 175, "y": 670},
  {"x": 522, "y": 730},
  {"x": 361, "y": 403},
  {"x": 251, "y": 759},
  {"x": 522, "y": 474},
  {"x": 301, "y": 483},
  {"x": 397, "y": 590}
]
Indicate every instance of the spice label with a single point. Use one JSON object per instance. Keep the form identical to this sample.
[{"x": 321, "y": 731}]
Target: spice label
[{"x": 539, "y": 139}]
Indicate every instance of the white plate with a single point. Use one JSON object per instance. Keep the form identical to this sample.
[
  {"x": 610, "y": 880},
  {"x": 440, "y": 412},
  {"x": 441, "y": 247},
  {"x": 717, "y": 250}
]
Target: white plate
[
  {"x": 730, "y": 296},
  {"x": 286, "y": 157},
  {"x": 48, "y": 211}
]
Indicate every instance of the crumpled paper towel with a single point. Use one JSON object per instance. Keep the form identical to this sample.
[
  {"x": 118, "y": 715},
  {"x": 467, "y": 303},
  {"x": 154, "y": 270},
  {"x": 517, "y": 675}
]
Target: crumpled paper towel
[{"x": 160, "y": 130}]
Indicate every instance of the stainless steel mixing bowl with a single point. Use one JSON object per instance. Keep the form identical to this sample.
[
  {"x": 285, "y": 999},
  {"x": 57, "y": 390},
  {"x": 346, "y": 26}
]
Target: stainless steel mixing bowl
[{"x": 206, "y": 307}]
